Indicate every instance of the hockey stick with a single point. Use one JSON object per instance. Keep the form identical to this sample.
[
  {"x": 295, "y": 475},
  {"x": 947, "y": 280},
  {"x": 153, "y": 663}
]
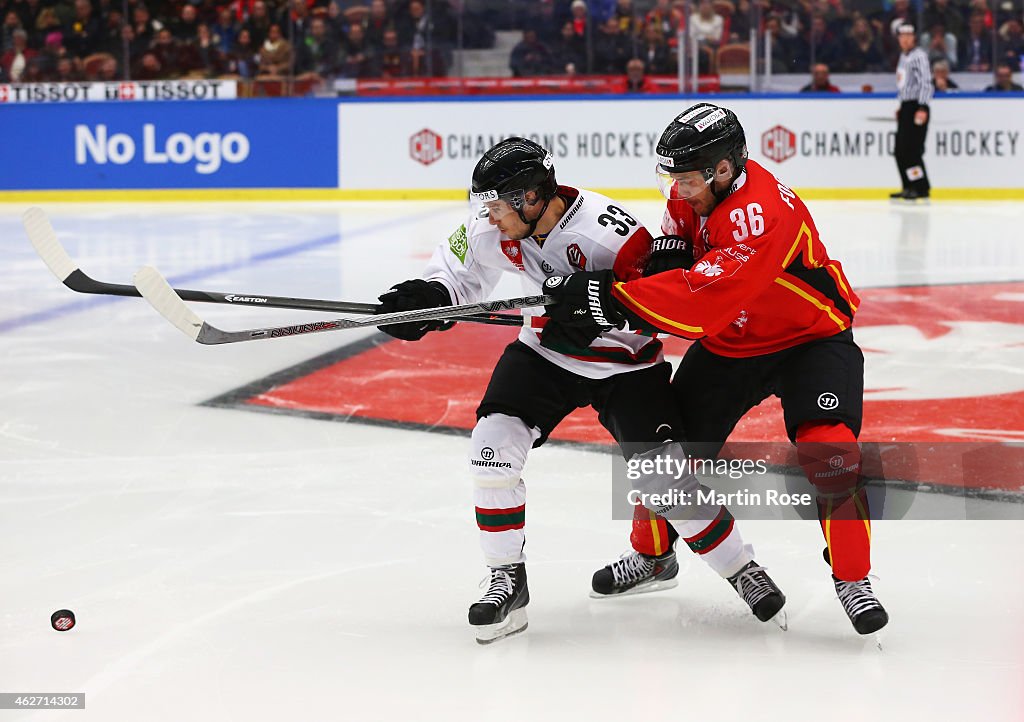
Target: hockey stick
[
  {"x": 44, "y": 240},
  {"x": 155, "y": 289}
]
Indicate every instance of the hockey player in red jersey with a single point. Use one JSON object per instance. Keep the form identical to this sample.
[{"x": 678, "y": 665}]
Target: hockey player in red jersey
[
  {"x": 526, "y": 224},
  {"x": 771, "y": 314}
]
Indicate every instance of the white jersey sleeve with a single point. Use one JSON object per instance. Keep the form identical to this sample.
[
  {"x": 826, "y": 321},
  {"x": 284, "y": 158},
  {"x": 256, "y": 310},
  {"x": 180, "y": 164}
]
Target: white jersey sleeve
[{"x": 460, "y": 266}]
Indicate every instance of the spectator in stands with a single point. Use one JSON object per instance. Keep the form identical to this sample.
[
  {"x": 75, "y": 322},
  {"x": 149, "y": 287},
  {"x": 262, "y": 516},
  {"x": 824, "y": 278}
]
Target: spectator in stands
[
  {"x": 391, "y": 61},
  {"x": 818, "y": 45},
  {"x": 580, "y": 18},
  {"x": 175, "y": 59},
  {"x": 358, "y": 55},
  {"x": 108, "y": 69},
  {"x": 414, "y": 26},
  {"x": 15, "y": 61},
  {"x": 1011, "y": 43},
  {"x": 783, "y": 53},
  {"x": 628, "y": 18},
  {"x": 941, "y": 80},
  {"x": 378, "y": 21},
  {"x": 137, "y": 47},
  {"x": 275, "y": 54},
  {"x": 862, "y": 53},
  {"x": 706, "y": 26},
  {"x": 243, "y": 60},
  {"x": 110, "y": 34},
  {"x": 209, "y": 60},
  {"x": 636, "y": 80},
  {"x": 611, "y": 49},
  {"x": 225, "y": 30},
  {"x": 976, "y": 52},
  {"x": 11, "y": 23},
  {"x": 185, "y": 27},
  {"x": 258, "y": 23},
  {"x": 82, "y": 34},
  {"x": 148, "y": 68},
  {"x": 654, "y": 52},
  {"x": 143, "y": 26},
  {"x": 739, "y": 22},
  {"x": 939, "y": 44},
  {"x": 46, "y": 23},
  {"x": 53, "y": 51},
  {"x": 569, "y": 52},
  {"x": 300, "y": 19},
  {"x": 820, "y": 82},
  {"x": 941, "y": 12},
  {"x": 667, "y": 18},
  {"x": 1004, "y": 81},
  {"x": 67, "y": 71},
  {"x": 319, "y": 53},
  {"x": 530, "y": 56}
]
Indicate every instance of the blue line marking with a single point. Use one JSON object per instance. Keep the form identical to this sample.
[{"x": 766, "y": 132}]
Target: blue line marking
[{"x": 94, "y": 301}]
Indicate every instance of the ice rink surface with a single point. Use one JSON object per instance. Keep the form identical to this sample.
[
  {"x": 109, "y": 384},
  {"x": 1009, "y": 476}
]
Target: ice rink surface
[{"x": 226, "y": 565}]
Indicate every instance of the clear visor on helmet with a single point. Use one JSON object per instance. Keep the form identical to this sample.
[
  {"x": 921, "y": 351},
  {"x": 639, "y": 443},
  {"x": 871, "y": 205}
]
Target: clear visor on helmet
[
  {"x": 495, "y": 206},
  {"x": 680, "y": 186}
]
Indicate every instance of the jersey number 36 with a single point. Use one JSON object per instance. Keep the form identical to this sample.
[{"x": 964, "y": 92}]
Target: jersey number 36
[{"x": 749, "y": 222}]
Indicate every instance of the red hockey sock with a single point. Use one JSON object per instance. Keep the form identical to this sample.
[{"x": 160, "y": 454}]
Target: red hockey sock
[
  {"x": 830, "y": 457},
  {"x": 650, "y": 534}
]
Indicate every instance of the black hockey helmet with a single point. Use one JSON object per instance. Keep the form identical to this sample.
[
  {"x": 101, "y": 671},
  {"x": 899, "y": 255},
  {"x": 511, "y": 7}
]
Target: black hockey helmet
[
  {"x": 700, "y": 137},
  {"x": 510, "y": 170}
]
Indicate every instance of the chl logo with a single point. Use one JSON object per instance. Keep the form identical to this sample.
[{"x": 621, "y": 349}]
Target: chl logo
[
  {"x": 426, "y": 146},
  {"x": 778, "y": 143},
  {"x": 828, "y": 401}
]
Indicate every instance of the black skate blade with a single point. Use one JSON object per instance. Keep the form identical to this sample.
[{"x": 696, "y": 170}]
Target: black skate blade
[
  {"x": 644, "y": 588},
  {"x": 515, "y": 623}
]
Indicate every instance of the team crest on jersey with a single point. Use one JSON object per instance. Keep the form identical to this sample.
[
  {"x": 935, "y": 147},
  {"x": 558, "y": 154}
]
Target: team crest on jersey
[
  {"x": 577, "y": 259},
  {"x": 708, "y": 268},
  {"x": 513, "y": 252}
]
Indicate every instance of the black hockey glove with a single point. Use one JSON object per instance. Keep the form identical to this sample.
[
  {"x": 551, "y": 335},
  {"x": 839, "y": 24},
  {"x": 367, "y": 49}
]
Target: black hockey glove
[
  {"x": 669, "y": 253},
  {"x": 584, "y": 301},
  {"x": 412, "y": 296}
]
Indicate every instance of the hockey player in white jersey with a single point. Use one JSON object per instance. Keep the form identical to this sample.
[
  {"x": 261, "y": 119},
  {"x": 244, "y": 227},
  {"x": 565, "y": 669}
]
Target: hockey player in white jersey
[{"x": 523, "y": 222}]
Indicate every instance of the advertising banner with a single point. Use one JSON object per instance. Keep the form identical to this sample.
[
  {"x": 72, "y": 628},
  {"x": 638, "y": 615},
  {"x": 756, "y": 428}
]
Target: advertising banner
[
  {"x": 279, "y": 143},
  {"x": 839, "y": 142},
  {"x": 118, "y": 91}
]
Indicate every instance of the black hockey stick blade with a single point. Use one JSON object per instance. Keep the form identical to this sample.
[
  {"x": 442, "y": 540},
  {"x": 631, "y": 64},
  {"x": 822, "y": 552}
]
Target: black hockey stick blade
[
  {"x": 155, "y": 289},
  {"x": 44, "y": 240}
]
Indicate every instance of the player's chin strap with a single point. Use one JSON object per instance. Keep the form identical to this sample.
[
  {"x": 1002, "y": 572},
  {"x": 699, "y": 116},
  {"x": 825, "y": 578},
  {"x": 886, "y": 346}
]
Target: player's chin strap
[
  {"x": 729, "y": 189},
  {"x": 532, "y": 225}
]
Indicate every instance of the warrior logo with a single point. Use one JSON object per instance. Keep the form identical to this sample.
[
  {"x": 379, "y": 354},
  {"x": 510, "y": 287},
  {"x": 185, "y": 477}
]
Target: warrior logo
[
  {"x": 576, "y": 257},
  {"x": 828, "y": 401},
  {"x": 594, "y": 301}
]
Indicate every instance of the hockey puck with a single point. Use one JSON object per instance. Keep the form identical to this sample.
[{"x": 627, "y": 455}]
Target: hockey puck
[{"x": 62, "y": 620}]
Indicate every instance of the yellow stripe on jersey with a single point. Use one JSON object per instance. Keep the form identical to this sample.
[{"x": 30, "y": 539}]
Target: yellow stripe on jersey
[
  {"x": 807, "y": 297},
  {"x": 648, "y": 312},
  {"x": 842, "y": 286},
  {"x": 862, "y": 512},
  {"x": 804, "y": 233}
]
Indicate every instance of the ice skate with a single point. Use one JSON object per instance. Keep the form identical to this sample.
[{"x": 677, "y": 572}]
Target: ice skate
[
  {"x": 861, "y": 605},
  {"x": 501, "y": 612},
  {"x": 760, "y": 593},
  {"x": 636, "y": 573}
]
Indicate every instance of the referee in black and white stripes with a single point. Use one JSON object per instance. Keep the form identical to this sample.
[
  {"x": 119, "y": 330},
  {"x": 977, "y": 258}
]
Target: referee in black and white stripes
[{"x": 914, "y": 80}]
